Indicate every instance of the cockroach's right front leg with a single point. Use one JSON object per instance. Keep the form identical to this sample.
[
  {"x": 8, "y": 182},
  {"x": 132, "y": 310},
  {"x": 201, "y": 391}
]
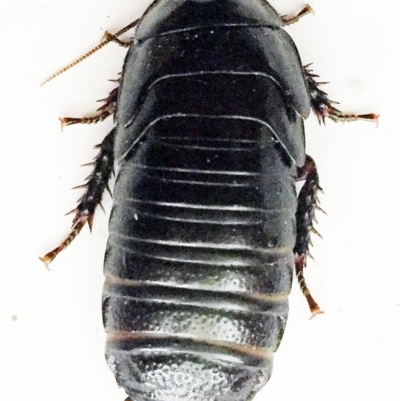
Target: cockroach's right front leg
[
  {"x": 323, "y": 106},
  {"x": 305, "y": 217},
  {"x": 288, "y": 20},
  {"x": 96, "y": 184}
]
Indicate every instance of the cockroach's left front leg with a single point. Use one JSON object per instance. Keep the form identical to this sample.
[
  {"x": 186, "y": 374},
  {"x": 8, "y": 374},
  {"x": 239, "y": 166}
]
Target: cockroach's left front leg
[
  {"x": 108, "y": 109},
  {"x": 305, "y": 217},
  {"x": 97, "y": 181},
  {"x": 96, "y": 184}
]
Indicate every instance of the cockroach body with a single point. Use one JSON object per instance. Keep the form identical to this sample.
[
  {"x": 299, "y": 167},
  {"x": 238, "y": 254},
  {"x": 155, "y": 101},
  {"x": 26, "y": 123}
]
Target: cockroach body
[
  {"x": 206, "y": 226},
  {"x": 200, "y": 255}
]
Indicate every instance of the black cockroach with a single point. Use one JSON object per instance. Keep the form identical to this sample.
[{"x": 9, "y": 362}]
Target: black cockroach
[{"x": 206, "y": 226}]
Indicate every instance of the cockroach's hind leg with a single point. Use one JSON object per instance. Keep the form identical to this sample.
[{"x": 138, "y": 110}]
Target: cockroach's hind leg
[
  {"x": 299, "y": 267},
  {"x": 288, "y": 20},
  {"x": 323, "y": 107},
  {"x": 305, "y": 217},
  {"x": 96, "y": 184},
  {"x": 107, "y": 109},
  {"x": 50, "y": 256}
]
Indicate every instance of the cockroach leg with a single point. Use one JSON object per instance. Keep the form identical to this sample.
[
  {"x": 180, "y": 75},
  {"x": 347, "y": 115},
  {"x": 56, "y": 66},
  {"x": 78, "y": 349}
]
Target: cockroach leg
[
  {"x": 113, "y": 38},
  {"x": 307, "y": 204},
  {"x": 109, "y": 108},
  {"x": 288, "y": 20},
  {"x": 96, "y": 184},
  {"x": 323, "y": 107},
  {"x": 312, "y": 304}
]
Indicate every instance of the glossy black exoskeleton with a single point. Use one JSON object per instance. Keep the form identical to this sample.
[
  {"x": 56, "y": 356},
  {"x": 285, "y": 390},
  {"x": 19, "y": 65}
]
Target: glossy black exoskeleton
[{"x": 206, "y": 226}]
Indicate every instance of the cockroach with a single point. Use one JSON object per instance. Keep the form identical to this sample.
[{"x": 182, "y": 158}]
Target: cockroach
[{"x": 206, "y": 227}]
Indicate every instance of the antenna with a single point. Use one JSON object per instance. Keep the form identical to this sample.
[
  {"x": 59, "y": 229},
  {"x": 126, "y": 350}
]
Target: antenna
[{"x": 107, "y": 39}]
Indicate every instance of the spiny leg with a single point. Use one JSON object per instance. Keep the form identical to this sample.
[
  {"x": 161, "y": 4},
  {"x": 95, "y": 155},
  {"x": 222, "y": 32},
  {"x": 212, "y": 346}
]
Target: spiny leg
[
  {"x": 323, "y": 107},
  {"x": 305, "y": 216},
  {"x": 96, "y": 184},
  {"x": 109, "y": 108},
  {"x": 288, "y": 20}
]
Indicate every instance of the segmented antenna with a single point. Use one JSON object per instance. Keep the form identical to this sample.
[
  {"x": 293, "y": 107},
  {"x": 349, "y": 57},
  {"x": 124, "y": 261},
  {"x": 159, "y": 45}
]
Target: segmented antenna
[{"x": 105, "y": 41}]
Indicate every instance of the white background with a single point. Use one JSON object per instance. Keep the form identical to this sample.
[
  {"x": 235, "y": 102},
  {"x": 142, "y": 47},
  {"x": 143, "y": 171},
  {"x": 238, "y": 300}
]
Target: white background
[{"x": 51, "y": 331}]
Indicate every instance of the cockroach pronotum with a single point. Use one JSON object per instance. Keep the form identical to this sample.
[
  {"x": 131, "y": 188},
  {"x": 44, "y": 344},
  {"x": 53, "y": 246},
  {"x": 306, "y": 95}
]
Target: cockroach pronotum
[{"x": 206, "y": 227}]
